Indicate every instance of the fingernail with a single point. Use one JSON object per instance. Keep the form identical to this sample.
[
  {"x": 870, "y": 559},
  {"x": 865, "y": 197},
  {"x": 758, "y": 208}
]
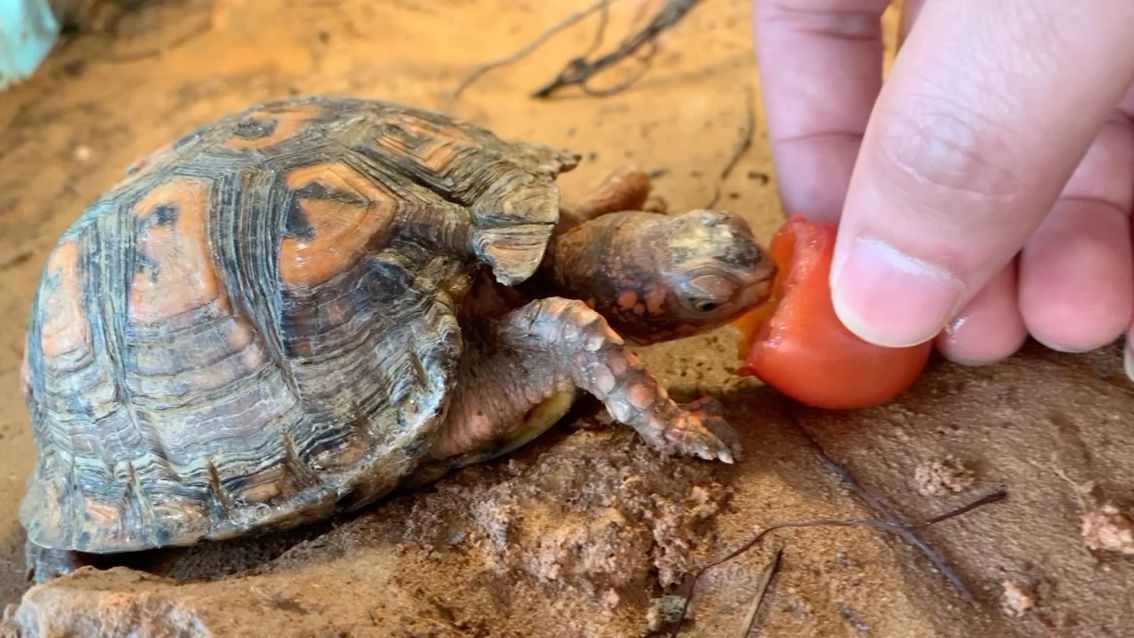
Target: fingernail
[
  {"x": 891, "y": 299},
  {"x": 1128, "y": 360}
]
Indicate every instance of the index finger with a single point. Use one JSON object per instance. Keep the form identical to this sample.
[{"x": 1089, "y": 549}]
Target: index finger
[{"x": 820, "y": 69}]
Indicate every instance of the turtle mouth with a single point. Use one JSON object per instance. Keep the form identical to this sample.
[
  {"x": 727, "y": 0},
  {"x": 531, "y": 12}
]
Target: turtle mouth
[{"x": 758, "y": 281}]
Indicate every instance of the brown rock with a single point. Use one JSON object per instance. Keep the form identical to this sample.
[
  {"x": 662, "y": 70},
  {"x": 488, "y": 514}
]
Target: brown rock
[{"x": 114, "y": 603}]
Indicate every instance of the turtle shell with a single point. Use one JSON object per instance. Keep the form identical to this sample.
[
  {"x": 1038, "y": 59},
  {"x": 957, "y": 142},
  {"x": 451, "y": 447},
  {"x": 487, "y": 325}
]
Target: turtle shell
[{"x": 258, "y": 326}]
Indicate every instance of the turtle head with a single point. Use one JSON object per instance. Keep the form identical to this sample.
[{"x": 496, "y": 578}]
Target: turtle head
[{"x": 656, "y": 277}]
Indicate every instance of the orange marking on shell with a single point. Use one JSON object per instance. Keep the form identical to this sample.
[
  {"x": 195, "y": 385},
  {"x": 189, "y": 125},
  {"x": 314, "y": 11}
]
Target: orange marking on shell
[
  {"x": 65, "y": 326},
  {"x": 101, "y": 514},
  {"x": 342, "y": 230},
  {"x": 351, "y": 451},
  {"x": 289, "y": 122},
  {"x": 422, "y": 127},
  {"x": 270, "y": 486},
  {"x": 434, "y": 154},
  {"x": 627, "y": 299},
  {"x": 185, "y": 277},
  {"x": 438, "y": 156}
]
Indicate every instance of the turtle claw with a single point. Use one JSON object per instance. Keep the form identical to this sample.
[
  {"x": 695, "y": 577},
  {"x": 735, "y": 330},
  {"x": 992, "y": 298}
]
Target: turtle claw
[
  {"x": 699, "y": 431},
  {"x": 710, "y": 411}
]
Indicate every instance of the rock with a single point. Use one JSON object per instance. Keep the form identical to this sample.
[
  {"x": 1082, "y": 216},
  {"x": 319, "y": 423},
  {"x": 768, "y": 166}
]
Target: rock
[{"x": 112, "y": 603}]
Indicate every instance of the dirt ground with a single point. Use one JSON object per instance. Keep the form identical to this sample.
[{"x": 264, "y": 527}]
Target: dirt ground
[{"x": 586, "y": 532}]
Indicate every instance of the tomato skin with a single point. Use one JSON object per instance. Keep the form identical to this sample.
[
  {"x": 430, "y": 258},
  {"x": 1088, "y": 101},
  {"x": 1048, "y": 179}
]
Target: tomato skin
[{"x": 796, "y": 343}]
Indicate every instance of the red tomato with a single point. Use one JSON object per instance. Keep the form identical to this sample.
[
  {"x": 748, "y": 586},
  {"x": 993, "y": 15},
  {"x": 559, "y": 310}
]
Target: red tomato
[{"x": 796, "y": 343}]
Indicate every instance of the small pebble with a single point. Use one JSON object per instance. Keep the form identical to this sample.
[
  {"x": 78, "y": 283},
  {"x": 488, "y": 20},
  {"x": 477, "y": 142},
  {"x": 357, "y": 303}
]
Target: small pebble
[{"x": 1017, "y": 598}]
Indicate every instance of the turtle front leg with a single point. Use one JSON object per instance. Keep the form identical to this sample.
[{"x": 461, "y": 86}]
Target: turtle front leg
[
  {"x": 624, "y": 189},
  {"x": 520, "y": 379},
  {"x": 44, "y": 564}
]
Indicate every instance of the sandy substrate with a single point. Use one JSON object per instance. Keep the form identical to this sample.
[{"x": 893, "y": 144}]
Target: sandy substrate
[{"x": 587, "y": 532}]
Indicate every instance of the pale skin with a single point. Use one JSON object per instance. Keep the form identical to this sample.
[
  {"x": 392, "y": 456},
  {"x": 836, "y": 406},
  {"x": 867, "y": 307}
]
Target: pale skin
[{"x": 984, "y": 191}]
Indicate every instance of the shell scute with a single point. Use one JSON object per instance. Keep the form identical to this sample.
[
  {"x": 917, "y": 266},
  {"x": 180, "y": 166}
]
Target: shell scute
[
  {"x": 334, "y": 212},
  {"x": 65, "y": 327},
  {"x": 272, "y": 124},
  {"x": 175, "y": 272}
]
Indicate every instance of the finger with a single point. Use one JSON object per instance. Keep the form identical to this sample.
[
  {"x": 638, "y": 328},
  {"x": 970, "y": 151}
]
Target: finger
[
  {"x": 990, "y": 327},
  {"x": 967, "y": 149},
  {"x": 820, "y": 66},
  {"x": 1077, "y": 268}
]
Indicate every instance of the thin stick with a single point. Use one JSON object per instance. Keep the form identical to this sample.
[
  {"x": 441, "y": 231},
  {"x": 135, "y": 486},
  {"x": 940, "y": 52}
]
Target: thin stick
[
  {"x": 980, "y": 502},
  {"x": 886, "y": 526},
  {"x": 769, "y": 574},
  {"x": 578, "y": 70},
  {"x": 743, "y": 143},
  {"x": 527, "y": 49},
  {"x": 888, "y": 514},
  {"x": 646, "y": 59},
  {"x": 875, "y": 503}
]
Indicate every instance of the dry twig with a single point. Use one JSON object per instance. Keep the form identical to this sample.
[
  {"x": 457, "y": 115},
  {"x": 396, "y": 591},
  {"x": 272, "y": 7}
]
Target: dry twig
[
  {"x": 579, "y": 70},
  {"x": 600, "y": 5},
  {"x": 888, "y": 514},
  {"x": 904, "y": 531},
  {"x": 766, "y": 578}
]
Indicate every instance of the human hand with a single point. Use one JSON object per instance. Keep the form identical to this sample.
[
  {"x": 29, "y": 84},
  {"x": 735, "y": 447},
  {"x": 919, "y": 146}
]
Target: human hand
[{"x": 985, "y": 192}]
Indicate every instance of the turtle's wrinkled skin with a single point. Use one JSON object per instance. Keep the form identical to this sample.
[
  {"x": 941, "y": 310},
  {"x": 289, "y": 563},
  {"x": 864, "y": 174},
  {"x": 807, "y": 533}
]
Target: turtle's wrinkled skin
[{"x": 303, "y": 306}]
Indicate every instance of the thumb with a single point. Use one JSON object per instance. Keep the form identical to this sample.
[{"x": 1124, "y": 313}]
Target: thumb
[{"x": 989, "y": 107}]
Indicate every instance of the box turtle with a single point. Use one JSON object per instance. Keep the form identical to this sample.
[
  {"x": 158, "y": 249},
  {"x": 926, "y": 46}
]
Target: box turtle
[{"x": 305, "y": 305}]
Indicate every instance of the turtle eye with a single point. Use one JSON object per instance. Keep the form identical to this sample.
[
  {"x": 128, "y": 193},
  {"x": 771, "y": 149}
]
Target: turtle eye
[{"x": 708, "y": 293}]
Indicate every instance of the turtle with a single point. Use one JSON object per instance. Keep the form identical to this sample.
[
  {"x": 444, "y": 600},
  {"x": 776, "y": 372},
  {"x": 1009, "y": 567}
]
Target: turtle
[{"x": 314, "y": 302}]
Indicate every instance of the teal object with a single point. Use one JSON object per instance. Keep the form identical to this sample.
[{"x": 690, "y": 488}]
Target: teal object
[{"x": 28, "y": 30}]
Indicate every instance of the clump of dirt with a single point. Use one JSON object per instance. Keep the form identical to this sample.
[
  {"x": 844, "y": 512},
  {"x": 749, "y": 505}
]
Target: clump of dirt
[
  {"x": 939, "y": 477},
  {"x": 597, "y": 519},
  {"x": 1017, "y": 598},
  {"x": 1108, "y": 529}
]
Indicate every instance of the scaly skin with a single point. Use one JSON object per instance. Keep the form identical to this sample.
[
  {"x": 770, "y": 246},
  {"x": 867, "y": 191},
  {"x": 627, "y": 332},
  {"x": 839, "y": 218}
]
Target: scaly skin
[
  {"x": 537, "y": 355},
  {"x": 643, "y": 276}
]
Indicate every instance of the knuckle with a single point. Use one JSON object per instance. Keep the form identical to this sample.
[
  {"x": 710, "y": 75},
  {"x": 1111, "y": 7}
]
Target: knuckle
[{"x": 932, "y": 148}]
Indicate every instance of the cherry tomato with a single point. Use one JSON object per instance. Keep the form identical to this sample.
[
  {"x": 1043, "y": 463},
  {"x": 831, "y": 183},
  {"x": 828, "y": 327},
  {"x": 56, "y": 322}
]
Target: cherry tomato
[{"x": 796, "y": 343}]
